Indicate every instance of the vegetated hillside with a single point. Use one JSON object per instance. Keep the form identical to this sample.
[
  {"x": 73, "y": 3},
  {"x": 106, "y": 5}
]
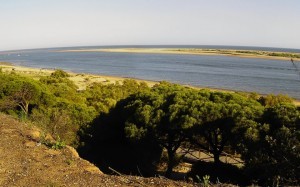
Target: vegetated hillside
[
  {"x": 136, "y": 129},
  {"x": 28, "y": 158}
]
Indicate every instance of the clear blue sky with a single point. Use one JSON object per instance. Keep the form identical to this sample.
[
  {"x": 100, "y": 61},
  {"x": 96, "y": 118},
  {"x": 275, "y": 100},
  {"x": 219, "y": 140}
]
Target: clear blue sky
[{"x": 55, "y": 23}]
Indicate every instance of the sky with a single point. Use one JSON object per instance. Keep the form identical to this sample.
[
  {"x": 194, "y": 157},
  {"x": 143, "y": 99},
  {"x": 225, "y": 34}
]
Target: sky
[{"x": 28, "y": 24}]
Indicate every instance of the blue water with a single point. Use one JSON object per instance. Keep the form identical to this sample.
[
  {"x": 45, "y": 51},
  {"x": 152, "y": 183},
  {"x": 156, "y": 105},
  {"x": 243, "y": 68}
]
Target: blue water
[{"x": 264, "y": 76}]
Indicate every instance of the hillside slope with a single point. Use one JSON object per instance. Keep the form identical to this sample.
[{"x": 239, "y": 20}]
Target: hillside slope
[{"x": 25, "y": 161}]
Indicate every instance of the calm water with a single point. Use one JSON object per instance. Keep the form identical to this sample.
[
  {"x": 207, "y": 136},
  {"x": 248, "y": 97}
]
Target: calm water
[{"x": 242, "y": 74}]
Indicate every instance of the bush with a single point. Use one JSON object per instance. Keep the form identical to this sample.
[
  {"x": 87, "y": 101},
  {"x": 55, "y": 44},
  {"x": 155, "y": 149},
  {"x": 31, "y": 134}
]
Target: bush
[
  {"x": 272, "y": 100},
  {"x": 59, "y": 74}
]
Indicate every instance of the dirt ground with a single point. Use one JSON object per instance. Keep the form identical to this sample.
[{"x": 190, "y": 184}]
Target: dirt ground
[{"x": 26, "y": 161}]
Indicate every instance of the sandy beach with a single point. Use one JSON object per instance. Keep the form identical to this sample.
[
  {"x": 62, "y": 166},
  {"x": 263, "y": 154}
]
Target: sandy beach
[
  {"x": 83, "y": 80},
  {"x": 223, "y": 52}
]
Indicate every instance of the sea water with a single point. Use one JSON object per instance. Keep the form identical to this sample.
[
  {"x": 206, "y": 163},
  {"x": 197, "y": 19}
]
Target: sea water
[{"x": 264, "y": 76}]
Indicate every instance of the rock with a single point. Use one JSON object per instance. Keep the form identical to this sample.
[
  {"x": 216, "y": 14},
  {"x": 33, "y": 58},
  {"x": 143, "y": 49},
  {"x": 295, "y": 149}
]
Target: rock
[
  {"x": 30, "y": 144},
  {"x": 53, "y": 152},
  {"x": 93, "y": 170},
  {"x": 89, "y": 167},
  {"x": 49, "y": 139},
  {"x": 72, "y": 151},
  {"x": 34, "y": 135}
]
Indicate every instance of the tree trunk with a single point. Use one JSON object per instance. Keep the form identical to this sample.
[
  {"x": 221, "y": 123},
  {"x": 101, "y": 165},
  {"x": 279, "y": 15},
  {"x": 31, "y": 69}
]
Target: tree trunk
[
  {"x": 26, "y": 108},
  {"x": 217, "y": 157},
  {"x": 171, "y": 163}
]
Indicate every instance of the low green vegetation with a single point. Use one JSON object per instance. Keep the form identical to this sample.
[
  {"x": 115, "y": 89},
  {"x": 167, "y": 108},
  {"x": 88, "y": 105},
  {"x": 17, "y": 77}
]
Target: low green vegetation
[
  {"x": 132, "y": 128},
  {"x": 54, "y": 104},
  {"x": 289, "y": 55},
  {"x": 241, "y": 52}
]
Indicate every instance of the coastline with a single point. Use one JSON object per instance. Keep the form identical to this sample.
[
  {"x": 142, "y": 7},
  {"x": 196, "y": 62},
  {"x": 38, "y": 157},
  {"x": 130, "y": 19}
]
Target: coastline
[
  {"x": 205, "y": 52},
  {"x": 83, "y": 80}
]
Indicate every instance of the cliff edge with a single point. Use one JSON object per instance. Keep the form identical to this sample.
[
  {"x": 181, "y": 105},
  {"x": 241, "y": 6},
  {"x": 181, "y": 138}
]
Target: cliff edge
[{"x": 25, "y": 160}]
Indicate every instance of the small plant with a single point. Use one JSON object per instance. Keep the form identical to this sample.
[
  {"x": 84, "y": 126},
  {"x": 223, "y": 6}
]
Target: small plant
[
  {"x": 69, "y": 162},
  {"x": 199, "y": 179},
  {"x": 59, "y": 144},
  {"x": 205, "y": 181},
  {"x": 43, "y": 139},
  {"x": 22, "y": 116}
]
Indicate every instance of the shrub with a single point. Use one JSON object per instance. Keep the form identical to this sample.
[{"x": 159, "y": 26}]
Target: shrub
[{"x": 59, "y": 74}]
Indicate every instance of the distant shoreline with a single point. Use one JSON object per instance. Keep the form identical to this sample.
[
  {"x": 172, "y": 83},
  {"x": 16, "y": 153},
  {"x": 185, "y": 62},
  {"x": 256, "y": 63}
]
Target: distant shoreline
[
  {"x": 82, "y": 80},
  {"x": 195, "y": 51}
]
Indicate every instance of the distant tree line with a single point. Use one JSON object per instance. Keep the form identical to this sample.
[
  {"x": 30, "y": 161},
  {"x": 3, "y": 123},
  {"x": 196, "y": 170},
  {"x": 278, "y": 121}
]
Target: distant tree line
[{"x": 132, "y": 128}]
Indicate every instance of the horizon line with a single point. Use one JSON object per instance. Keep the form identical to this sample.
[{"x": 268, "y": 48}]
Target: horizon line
[{"x": 140, "y": 45}]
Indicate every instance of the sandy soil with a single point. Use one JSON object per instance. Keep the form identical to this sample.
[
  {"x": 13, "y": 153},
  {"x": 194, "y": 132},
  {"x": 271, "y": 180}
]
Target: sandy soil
[{"x": 223, "y": 52}]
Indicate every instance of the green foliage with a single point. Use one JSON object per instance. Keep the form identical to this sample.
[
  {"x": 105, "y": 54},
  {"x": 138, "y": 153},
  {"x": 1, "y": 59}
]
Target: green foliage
[
  {"x": 289, "y": 55},
  {"x": 206, "y": 181},
  {"x": 59, "y": 144},
  {"x": 171, "y": 116},
  {"x": 18, "y": 93},
  {"x": 106, "y": 145},
  {"x": 138, "y": 122},
  {"x": 276, "y": 151},
  {"x": 218, "y": 119},
  {"x": 52, "y": 103},
  {"x": 103, "y": 97},
  {"x": 59, "y": 74},
  {"x": 272, "y": 100},
  {"x": 159, "y": 114},
  {"x": 61, "y": 87}
]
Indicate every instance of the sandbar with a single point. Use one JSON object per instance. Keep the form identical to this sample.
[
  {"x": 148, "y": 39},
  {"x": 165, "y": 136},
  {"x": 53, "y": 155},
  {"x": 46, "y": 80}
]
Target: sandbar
[{"x": 190, "y": 51}]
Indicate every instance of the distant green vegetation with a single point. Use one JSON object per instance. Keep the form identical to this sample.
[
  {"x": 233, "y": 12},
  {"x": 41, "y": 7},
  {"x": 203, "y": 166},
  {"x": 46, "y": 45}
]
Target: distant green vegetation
[
  {"x": 241, "y": 52},
  {"x": 289, "y": 55},
  {"x": 132, "y": 128},
  {"x": 5, "y": 63}
]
